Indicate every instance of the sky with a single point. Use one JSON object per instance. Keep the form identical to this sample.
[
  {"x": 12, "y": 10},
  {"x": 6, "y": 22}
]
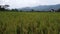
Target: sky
[{"x": 28, "y": 3}]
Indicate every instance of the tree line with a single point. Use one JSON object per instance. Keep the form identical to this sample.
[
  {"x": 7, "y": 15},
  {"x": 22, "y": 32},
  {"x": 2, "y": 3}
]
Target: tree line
[{"x": 4, "y": 8}]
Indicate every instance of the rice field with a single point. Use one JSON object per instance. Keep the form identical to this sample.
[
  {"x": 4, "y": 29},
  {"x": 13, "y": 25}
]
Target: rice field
[{"x": 29, "y": 23}]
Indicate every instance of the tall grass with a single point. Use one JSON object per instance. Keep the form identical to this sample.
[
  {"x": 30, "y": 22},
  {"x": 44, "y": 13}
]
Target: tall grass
[{"x": 29, "y": 23}]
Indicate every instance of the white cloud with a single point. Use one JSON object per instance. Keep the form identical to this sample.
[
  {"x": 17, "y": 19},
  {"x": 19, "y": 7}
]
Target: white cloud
[{"x": 26, "y": 3}]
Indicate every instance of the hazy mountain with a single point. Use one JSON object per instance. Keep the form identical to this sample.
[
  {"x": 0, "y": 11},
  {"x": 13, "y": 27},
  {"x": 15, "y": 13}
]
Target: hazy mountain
[
  {"x": 26, "y": 9},
  {"x": 42, "y": 8}
]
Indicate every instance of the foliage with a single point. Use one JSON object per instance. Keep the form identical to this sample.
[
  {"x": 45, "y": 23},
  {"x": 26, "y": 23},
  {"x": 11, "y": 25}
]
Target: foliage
[
  {"x": 3, "y": 7},
  {"x": 14, "y": 10},
  {"x": 58, "y": 10}
]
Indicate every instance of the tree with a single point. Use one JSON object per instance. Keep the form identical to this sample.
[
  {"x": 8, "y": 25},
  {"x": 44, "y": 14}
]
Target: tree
[
  {"x": 52, "y": 10},
  {"x": 58, "y": 10},
  {"x": 14, "y": 9},
  {"x": 32, "y": 10},
  {"x": 3, "y": 7},
  {"x": 20, "y": 10}
]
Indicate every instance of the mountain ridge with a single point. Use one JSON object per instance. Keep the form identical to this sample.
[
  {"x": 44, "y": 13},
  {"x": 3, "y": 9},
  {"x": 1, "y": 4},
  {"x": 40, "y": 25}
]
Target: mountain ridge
[{"x": 42, "y": 8}]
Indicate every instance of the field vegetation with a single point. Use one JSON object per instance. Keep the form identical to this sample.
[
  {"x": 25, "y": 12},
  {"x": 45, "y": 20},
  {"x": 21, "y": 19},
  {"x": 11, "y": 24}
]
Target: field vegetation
[{"x": 29, "y": 22}]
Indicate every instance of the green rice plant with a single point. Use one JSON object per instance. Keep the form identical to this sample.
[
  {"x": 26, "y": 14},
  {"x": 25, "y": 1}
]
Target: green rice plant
[
  {"x": 29, "y": 23},
  {"x": 2, "y": 28}
]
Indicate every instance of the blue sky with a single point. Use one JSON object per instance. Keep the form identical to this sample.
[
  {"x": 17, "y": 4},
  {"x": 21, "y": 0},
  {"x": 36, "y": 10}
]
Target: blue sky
[{"x": 28, "y": 3}]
